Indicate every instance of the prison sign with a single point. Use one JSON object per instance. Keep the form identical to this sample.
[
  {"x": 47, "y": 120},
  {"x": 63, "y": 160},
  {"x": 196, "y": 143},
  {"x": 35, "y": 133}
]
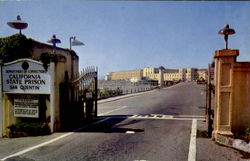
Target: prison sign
[
  {"x": 25, "y": 76},
  {"x": 26, "y": 106}
]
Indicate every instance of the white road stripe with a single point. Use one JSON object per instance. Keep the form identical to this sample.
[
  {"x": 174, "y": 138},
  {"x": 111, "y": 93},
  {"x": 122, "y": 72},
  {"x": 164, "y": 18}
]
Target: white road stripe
[
  {"x": 130, "y": 132},
  {"x": 50, "y": 141},
  {"x": 37, "y": 146},
  {"x": 167, "y": 117},
  {"x": 190, "y": 119},
  {"x": 192, "y": 145},
  {"x": 154, "y": 117},
  {"x": 190, "y": 116},
  {"x": 112, "y": 111}
]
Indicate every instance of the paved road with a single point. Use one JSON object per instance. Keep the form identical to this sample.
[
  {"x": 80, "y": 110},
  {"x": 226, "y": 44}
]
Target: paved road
[{"x": 160, "y": 125}]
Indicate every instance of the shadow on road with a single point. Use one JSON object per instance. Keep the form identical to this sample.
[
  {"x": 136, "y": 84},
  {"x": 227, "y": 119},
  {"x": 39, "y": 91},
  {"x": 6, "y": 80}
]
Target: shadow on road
[
  {"x": 19, "y": 159},
  {"x": 112, "y": 125}
]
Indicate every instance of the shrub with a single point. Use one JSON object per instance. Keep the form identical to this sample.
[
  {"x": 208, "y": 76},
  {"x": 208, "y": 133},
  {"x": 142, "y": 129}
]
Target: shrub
[
  {"x": 247, "y": 132},
  {"x": 15, "y": 47},
  {"x": 106, "y": 93},
  {"x": 29, "y": 129}
]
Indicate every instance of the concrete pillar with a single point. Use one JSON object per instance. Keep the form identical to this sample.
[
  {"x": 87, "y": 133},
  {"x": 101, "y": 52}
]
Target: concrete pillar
[
  {"x": 52, "y": 96},
  {"x": 96, "y": 96},
  {"x": 161, "y": 78},
  {"x": 224, "y": 60},
  {"x": 1, "y": 108}
]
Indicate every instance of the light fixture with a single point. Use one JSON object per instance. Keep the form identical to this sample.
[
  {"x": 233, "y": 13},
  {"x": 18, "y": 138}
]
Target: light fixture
[
  {"x": 18, "y": 24},
  {"x": 54, "y": 41},
  {"x": 74, "y": 42},
  {"x": 226, "y": 31}
]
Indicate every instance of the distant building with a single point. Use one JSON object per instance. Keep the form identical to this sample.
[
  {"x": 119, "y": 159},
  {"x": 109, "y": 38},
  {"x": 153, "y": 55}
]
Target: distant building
[
  {"x": 202, "y": 74},
  {"x": 151, "y": 73},
  {"x": 125, "y": 75}
]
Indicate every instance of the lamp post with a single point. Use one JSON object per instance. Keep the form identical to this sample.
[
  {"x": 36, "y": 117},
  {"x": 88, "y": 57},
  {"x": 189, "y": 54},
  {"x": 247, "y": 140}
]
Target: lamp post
[
  {"x": 18, "y": 24},
  {"x": 226, "y": 31},
  {"x": 74, "y": 42},
  {"x": 54, "y": 41}
]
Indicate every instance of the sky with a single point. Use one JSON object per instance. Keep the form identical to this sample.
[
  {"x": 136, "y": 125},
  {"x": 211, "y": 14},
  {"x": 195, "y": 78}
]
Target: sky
[{"x": 128, "y": 35}]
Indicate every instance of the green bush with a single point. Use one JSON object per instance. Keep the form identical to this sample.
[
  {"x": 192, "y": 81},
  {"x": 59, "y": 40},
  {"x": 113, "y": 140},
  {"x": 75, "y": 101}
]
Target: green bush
[
  {"x": 29, "y": 129},
  {"x": 106, "y": 93},
  {"x": 248, "y": 130},
  {"x": 15, "y": 47}
]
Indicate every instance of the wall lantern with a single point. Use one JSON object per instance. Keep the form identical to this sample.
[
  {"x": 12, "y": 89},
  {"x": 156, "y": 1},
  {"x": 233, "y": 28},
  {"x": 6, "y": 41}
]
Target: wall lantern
[
  {"x": 226, "y": 31},
  {"x": 74, "y": 42},
  {"x": 18, "y": 24},
  {"x": 54, "y": 41}
]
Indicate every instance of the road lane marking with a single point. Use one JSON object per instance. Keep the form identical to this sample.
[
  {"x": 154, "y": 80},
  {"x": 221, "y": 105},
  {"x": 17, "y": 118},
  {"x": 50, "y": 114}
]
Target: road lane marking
[
  {"x": 157, "y": 117},
  {"x": 37, "y": 146},
  {"x": 160, "y": 117},
  {"x": 189, "y": 119},
  {"x": 190, "y": 116},
  {"x": 151, "y": 116},
  {"x": 192, "y": 145},
  {"x": 165, "y": 117},
  {"x": 130, "y": 132},
  {"x": 51, "y": 141},
  {"x": 105, "y": 113}
]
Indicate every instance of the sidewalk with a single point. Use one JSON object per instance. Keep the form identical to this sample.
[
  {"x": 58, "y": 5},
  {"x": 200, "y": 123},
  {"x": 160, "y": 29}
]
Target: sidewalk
[
  {"x": 122, "y": 97},
  {"x": 209, "y": 150},
  {"x": 131, "y": 95}
]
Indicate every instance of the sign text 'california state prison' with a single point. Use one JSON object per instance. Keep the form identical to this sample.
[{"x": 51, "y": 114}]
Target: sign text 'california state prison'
[{"x": 25, "y": 77}]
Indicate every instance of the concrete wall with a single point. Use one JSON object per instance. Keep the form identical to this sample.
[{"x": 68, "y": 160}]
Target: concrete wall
[
  {"x": 72, "y": 60},
  {"x": 232, "y": 93},
  {"x": 70, "y": 65},
  {"x": 8, "y": 117},
  {"x": 241, "y": 96}
]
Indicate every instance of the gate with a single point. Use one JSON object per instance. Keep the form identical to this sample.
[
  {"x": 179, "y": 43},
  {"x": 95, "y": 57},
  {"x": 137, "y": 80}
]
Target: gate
[
  {"x": 79, "y": 98},
  {"x": 209, "y": 100},
  {"x": 85, "y": 92}
]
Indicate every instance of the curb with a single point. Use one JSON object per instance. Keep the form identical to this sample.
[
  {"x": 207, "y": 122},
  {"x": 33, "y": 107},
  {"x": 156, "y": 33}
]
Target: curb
[
  {"x": 130, "y": 95},
  {"x": 122, "y": 97},
  {"x": 233, "y": 143}
]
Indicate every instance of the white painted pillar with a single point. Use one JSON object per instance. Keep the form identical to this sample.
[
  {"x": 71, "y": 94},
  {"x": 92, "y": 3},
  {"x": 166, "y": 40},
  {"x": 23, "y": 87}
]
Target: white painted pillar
[
  {"x": 161, "y": 78},
  {"x": 52, "y": 96},
  {"x": 1, "y": 108}
]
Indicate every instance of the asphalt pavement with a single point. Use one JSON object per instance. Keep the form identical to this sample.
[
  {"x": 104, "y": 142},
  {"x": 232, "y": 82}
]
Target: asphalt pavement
[{"x": 160, "y": 125}]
